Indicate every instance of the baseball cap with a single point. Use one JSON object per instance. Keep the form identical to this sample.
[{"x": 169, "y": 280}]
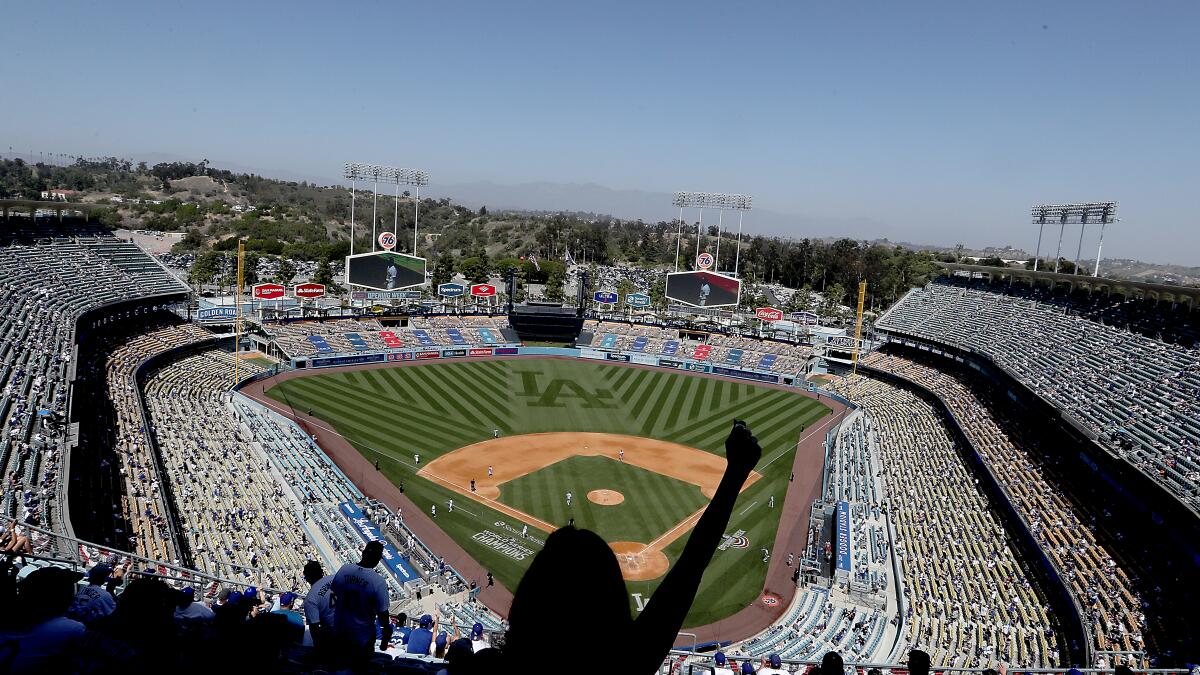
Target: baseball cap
[
  {"x": 234, "y": 597},
  {"x": 747, "y": 668},
  {"x": 477, "y": 629},
  {"x": 719, "y": 657},
  {"x": 251, "y": 592},
  {"x": 440, "y": 640},
  {"x": 774, "y": 660},
  {"x": 100, "y": 572},
  {"x": 188, "y": 591},
  {"x": 426, "y": 621},
  {"x": 1074, "y": 671},
  {"x": 287, "y": 598}
]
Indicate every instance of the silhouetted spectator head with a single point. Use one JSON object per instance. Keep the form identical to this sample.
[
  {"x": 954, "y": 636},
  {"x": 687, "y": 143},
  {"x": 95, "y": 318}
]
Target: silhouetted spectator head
[
  {"x": 99, "y": 574},
  {"x": 719, "y": 658},
  {"x": 874, "y": 671},
  {"x": 572, "y": 589},
  {"x": 286, "y": 599},
  {"x": 372, "y": 553},
  {"x": 46, "y": 593},
  {"x": 747, "y": 668},
  {"x": 774, "y": 660},
  {"x": 832, "y": 664},
  {"x": 458, "y": 655},
  {"x": 990, "y": 671},
  {"x": 918, "y": 662},
  {"x": 185, "y": 597},
  {"x": 477, "y": 631},
  {"x": 148, "y": 602},
  {"x": 313, "y": 572},
  {"x": 1122, "y": 670}
]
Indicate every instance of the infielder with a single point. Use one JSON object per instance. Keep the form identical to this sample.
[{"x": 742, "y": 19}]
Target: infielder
[
  {"x": 489, "y": 470},
  {"x": 568, "y": 499},
  {"x": 450, "y": 506},
  {"x": 433, "y": 510}
]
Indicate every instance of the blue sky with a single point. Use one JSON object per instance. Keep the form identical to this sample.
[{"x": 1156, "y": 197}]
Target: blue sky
[{"x": 928, "y": 122}]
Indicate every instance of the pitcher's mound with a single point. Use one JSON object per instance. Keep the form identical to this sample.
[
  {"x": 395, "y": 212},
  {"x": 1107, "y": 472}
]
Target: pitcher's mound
[
  {"x": 605, "y": 497},
  {"x": 639, "y": 563}
]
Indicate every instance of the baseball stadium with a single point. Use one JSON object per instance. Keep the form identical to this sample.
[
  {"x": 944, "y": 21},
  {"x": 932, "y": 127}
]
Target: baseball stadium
[{"x": 913, "y": 485}]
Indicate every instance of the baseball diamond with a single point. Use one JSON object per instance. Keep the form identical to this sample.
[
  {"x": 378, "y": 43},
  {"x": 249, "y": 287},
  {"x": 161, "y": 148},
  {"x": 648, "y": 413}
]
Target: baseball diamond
[{"x": 508, "y": 440}]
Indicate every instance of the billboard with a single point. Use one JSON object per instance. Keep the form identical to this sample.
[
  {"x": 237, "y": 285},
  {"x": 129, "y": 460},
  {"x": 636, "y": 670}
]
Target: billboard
[
  {"x": 385, "y": 270},
  {"x": 483, "y": 291},
  {"x": 769, "y": 314},
  {"x": 637, "y": 300},
  {"x": 703, "y": 289},
  {"x": 268, "y": 291},
  {"x": 451, "y": 290},
  {"x": 386, "y": 295},
  {"x": 605, "y": 297},
  {"x": 308, "y": 290},
  {"x": 216, "y": 313}
]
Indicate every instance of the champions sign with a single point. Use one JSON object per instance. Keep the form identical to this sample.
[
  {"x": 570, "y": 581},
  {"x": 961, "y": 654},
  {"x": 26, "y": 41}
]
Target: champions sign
[{"x": 366, "y": 529}]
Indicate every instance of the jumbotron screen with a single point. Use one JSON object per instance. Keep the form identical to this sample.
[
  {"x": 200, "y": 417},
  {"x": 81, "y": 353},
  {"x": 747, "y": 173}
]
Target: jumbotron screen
[
  {"x": 385, "y": 271},
  {"x": 703, "y": 289}
]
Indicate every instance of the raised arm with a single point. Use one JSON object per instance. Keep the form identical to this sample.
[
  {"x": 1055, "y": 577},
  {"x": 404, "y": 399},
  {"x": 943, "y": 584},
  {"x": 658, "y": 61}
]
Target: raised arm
[{"x": 658, "y": 625}]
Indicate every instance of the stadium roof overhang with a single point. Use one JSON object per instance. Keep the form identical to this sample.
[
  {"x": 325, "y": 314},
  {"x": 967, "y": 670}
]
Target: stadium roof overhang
[{"x": 1188, "y": 294}]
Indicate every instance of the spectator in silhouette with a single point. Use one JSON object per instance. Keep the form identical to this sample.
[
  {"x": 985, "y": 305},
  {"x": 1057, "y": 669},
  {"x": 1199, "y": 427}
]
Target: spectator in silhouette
[
  {"x": 318, "y": 604},
  {"x": 832, "y": 664},
  {"x": 139, "y": 635},
  {"x": 360, "y": 599},
  {"x": 918, "y": 662},
  {"x": 39, "y": 637},
  {"x": 574, "y": 586},
  {"x": 188, "y": 610},
  {"x": 94, "y": 600}
]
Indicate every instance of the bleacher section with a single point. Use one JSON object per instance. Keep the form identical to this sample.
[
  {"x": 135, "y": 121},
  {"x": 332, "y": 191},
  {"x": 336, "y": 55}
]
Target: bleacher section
[
  {"x": 1130, "y": 389},
  {"x": 347, "y": 336},
  {"x": 727, "y": 350}
]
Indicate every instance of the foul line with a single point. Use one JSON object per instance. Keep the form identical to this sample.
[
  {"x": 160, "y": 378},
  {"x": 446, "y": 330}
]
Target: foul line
[{"x": 748, "y": 507}]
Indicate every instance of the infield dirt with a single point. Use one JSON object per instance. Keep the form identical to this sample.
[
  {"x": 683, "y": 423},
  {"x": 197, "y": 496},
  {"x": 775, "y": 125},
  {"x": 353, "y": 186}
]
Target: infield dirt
[{"x": 494, "y": 462}]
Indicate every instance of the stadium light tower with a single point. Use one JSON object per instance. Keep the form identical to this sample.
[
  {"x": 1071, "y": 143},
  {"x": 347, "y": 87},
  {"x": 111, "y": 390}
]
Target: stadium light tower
[
  {"x": 385, "y": 174},
  {"x": 711, "y": 200},
  {"x": 1090, "y": 213}
]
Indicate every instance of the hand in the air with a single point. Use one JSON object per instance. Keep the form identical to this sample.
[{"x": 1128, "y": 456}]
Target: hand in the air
[{"x": 741, "y": 448}]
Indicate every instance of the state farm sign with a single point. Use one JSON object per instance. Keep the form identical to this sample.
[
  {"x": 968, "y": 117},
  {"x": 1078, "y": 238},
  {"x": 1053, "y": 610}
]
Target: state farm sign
[
  {"x": 269, "y": 291},
  {"x": 768, "y": 314},
  {"x": 308, "y": 290}
]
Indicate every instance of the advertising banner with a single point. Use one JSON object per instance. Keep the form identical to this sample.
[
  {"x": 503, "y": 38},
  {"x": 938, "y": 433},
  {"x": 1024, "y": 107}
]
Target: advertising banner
[
  {"x": 618, "y": 357},
  {"x": 216, "y": 313},
  {"x": 506, "y": 351},
  {"x": 399, "y": 567},
  {"x": 451, "y": 290},
  {"x": 480, "y": 351},
  {"x": 268, "y": 291},
  {"x": 637, "y": 300},
  {"x": 483, "y": 291},
  {"x": 429, "y": 355},
  {"x": 605, "y": 297},
  {"x": 308, "y": 290},
  {"x": 842, "y": 544},
  {"x": 346, "y": 360},
  {"x": 769, "y": 314}
]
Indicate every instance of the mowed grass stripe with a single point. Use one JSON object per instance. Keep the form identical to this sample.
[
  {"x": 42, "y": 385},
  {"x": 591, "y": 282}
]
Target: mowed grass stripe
[
  {"x": 494, "y": 372},
  {"x": 468, "y": 392},
  {"x": 698, "y": 399},
  {"x": 769, "y": 398},
  {"x": 415, "y": 386},
  {"x": 397, "y": 387},
  {"x": 641, "y": 409},
  {"x": 623, "y": 375},
  {"x": 680, "y": 400},
  {"x": 360, "y": 410},
  {"x": 637, "y": 386},
  {"x": 666, "y": 388},
  {"x": 441, "y": 386}
]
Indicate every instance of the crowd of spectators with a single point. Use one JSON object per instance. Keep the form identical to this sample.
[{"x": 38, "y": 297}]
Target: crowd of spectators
[
  {"x": 717, "y": 348},
  {"x": 50, "y": 276},
  {"x": 1105, "y": 361},
  {"x": 968, "y": 599},
  {"x": 347, "y": 336},
  {"x": 1112, "y": 607}
]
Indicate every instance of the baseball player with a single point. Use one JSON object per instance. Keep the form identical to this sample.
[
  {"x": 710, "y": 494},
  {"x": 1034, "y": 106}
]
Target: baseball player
[
  {"x": 621, "y": 455},
  {"x": 766, "y": 554},
  {"x": 495, "y": 433},
  {"x": 489, "y": 470},
  {"x": 433, "y": 510},
  {"x": 771, "y": 502},
  {"x": 568, "y": 499},
  {"x": 416, "y": 458},
  {"x": 524, "y": 531},
  {"x": 472, "y": 485},
  {"x": 450, "y": 506}
]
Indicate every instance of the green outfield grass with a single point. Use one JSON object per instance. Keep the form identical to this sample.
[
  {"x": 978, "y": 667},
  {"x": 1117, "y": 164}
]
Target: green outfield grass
[{"x": 390, "y": 414}]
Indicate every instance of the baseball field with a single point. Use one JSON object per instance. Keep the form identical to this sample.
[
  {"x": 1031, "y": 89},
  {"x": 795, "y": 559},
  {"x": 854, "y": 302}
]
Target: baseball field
[{"x": 495, "y": 447}]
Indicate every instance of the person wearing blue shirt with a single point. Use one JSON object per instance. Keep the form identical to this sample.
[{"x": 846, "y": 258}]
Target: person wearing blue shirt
[{"x": 420, "y": 639}]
